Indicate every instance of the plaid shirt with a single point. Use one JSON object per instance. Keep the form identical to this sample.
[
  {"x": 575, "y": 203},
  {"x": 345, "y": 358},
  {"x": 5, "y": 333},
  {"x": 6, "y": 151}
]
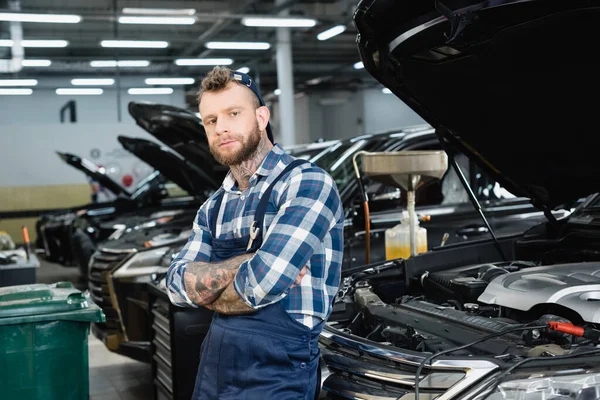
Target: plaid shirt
[{"x": 303, "y": 226}]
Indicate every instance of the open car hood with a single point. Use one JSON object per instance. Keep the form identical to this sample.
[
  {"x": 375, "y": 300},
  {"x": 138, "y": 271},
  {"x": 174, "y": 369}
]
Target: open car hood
[
  {"x": 185, "y": 174},
  {"x": 94, "y": 172},
  {"x": 179, "y": 129},
  {"x": 510, "y": 83}
]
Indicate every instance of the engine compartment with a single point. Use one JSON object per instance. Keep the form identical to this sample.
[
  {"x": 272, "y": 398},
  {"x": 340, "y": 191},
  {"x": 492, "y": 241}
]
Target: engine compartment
[{"x": 442, "y": 309}]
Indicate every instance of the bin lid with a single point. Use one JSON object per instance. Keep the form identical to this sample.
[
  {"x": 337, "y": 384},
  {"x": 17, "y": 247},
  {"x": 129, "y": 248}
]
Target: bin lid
[{"x": 55, "y": 301}]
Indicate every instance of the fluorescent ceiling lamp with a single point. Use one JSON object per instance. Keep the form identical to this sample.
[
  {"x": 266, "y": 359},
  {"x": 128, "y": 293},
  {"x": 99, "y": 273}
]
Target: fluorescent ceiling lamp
[
  {"x": 386, "y": 90},
  {"x": 15, "y": 92},
  {"x": 238, "y": 45},
  {"x": 35, "y": 43},
  {"x": 158, "y": 20},
  {"x": 135, "y": 91},
  {"x": 170, "y": 81},
  {"x": 84, "y": 92},
  {"x": 243, "y": 70},
  {"x": 204, "y": 61},
  {"x": 142, "y": 44},
  {"x": 277, "y": 92},
  {"x": 92, "y": 82},
  {"x": 45, "y": 18},
  {"x": 36, "y": 63},
  {"x": 359, "y": 65},
  {"x": 120, "y": 63},
  {"x": 158, "y": 11},
  {"x": 331, "y": 32},
  {"x": 18, "y": 82},
  {"x": 281, "y": 22}
]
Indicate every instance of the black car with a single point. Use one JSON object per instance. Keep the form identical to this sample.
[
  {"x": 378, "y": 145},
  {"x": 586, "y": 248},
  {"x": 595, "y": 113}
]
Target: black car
[
  {"x": 505, "y": 83},
  {"x": 196, "y": 176},
  {"x": 54, "y": 229}
]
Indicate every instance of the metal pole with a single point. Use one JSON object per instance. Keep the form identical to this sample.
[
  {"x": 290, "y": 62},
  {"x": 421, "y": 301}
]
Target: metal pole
[{"x": 285, "y": 81}]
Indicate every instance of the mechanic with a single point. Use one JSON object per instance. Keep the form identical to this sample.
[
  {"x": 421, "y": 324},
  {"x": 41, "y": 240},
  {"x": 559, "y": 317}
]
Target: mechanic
[{"x": 265, "y": 254}]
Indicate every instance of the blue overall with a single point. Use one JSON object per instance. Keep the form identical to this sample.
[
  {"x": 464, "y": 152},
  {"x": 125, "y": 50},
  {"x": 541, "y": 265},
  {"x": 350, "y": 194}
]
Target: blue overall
[{"x": 264, "y": 355}]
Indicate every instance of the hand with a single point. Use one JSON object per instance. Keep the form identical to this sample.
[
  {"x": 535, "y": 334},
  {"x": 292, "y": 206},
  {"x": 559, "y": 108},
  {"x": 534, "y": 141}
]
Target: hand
[{"x": 298, "y": 280}]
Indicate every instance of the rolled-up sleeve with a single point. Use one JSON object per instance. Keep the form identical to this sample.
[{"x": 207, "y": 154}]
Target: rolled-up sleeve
[
  {"x": 308, "y": 209},
  {"x": 197, "y": 248}
]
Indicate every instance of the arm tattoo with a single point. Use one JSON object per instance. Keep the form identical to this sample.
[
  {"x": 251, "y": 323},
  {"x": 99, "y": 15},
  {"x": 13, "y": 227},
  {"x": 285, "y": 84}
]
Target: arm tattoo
[
  {"x": 230, "y": 303},
  {"x": 204, "y": 282}
]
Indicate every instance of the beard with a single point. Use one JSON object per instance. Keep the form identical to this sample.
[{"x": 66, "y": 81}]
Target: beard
[{"x": 249, "y": 146}]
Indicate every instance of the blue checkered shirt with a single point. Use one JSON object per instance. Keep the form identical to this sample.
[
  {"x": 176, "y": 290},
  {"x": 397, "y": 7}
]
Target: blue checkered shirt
[{"x": 303, "y": 226}]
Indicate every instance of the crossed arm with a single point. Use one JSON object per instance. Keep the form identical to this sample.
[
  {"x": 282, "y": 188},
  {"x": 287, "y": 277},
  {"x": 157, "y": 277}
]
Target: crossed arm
[{"x": 211, "y": 285}]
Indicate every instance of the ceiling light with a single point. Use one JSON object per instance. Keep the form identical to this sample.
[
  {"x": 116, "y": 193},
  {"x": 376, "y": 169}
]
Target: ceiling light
[
  {"x": 238, "y": 45},
  {"x": 15, "y": 92},
  {"x": 204, "y": 61},
  {"x": 386, "y": 90},
  {"x": 84, "y": 92},
  {"x": 150, "y": 91},
  {"x": 120, "y": 63},
  {"x": 35, "y": 43},
  {"x": 143, "y": 44},
  {"x": 277, "y": 92},
  {"x": 99, "y": 82},
  {"x": 243, "y": 70},
  {"x": 276, "y": 22},
  {"x": 18, "y": 82},
  {"x": 331, "y": 32},
  {"x": 170, "y": 81},
  {"x": 45, "y": 18},
  {"x": 158, "y": 20},
  {"x": 359, "y": 65},
  {"x": 36, "y": 63},
  {"x": 158, "y": 11}
]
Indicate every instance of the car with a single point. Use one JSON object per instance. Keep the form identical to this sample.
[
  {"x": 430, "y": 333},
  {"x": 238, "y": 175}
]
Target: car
[
  {"x": 71, "y": 238},
  {"x": 120, "y": 269},
  {"x": 53, "y": 229},
  {"x": 507, "y": 84}
]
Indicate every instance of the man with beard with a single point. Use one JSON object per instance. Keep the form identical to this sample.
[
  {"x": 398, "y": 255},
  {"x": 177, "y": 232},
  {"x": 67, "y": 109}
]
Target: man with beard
[{"x": 265, "y": 254}]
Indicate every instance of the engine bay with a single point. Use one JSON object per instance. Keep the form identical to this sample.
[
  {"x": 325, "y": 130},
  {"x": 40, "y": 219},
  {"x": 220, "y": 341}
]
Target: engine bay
[{"x": 441, "y": 310}]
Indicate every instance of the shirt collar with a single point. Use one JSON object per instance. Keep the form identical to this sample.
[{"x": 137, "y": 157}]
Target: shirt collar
[{"x": 265, "y": 168}]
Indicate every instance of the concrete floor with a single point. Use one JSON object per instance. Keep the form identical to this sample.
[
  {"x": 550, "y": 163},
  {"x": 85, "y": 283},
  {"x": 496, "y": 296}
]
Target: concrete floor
[{"x": 112, "y": 376}]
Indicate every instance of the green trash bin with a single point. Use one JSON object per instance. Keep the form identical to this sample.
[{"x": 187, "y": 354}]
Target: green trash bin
[{"x": 44, "y": 340}]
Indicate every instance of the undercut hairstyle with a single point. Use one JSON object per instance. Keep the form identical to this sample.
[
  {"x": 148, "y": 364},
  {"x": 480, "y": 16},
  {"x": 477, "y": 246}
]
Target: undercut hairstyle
[{"x": 218, "y": 79}]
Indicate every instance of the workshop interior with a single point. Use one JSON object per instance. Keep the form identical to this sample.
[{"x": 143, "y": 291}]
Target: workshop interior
[{"x": 457, "y": 138}]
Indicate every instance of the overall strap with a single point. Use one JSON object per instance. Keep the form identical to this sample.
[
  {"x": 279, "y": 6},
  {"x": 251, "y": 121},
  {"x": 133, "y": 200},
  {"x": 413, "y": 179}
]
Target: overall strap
[
  {"x": 215, "y": 213},
  {"x": 259, "y": 216}
]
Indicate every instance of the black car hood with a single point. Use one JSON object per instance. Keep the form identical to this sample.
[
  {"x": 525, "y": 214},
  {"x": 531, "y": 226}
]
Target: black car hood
[
  {"x": 510, "y": 83},
  {"x": 179, "y": 129},
  {"x": 185, "y": 174},
  {"x": 94, "y": 172}
]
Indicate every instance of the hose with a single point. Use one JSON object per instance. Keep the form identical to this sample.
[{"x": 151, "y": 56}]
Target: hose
[{"x": 365, "y": 199}]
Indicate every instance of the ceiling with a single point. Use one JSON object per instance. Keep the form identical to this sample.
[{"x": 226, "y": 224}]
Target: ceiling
[{"x": 328, "y": 62}]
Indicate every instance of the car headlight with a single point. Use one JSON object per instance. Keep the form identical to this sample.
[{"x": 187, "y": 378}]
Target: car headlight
[
  {"x": 143, "y": 263},
  {"x": 560, "y": 387}
]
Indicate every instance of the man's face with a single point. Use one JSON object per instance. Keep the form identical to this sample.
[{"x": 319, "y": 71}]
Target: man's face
[{"x": 231, "y": 124}]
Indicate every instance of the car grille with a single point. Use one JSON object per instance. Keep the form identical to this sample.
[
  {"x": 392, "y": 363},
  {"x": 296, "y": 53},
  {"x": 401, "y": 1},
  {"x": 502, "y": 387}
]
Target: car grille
[
  {"x": 360, "y": 369},
  {"x": 101, "y": 263}
]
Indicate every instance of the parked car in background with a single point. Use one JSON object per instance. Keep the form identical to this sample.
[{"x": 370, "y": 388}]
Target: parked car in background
[{"x": 506, "y": 83}]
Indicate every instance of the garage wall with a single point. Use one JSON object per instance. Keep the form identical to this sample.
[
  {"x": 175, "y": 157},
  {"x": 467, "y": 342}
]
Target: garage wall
[
  {"x": 384, "y": 112},
  {"x": 336, "y": 115}
]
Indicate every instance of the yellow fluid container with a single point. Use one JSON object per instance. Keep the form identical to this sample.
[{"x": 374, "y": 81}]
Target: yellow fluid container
[{"x": 397, "y": 239}]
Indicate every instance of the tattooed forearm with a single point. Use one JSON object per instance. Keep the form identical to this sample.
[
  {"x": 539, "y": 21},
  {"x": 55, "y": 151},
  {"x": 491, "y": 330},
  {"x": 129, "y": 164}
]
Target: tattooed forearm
[
  {"x": 204, "y": 282},
  {"x": 230, "y": 303}
]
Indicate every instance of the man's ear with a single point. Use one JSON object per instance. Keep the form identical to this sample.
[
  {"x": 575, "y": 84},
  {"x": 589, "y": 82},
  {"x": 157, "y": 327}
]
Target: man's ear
[{"x": 262, "y": 117}]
